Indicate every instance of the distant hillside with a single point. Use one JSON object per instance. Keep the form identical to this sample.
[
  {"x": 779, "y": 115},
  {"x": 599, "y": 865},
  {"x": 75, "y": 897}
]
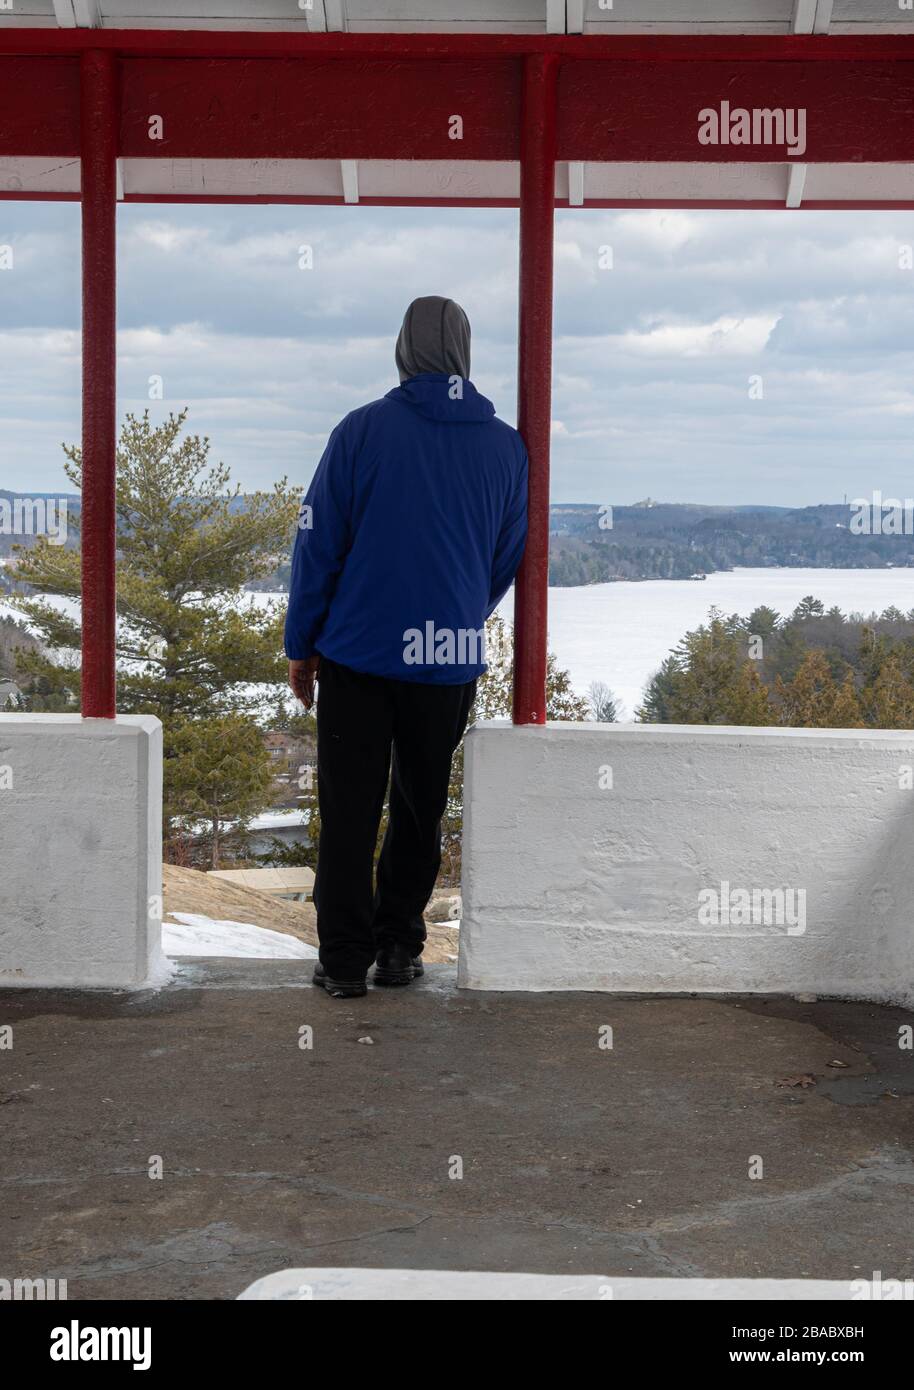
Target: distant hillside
[
  {"x": 672, "y": 540},
  {"x": 659, "y": 540}
]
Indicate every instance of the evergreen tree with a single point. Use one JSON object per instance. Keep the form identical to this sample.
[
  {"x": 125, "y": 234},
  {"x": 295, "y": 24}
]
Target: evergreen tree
[
  {"x": 188, "y": 637},
  {"x": 808, "y": 607},
  {"x": 815, "y": 700},
  {"x": 191, "y": 645},
  {"x": 762, "y": 621},
  {"x": 709, "y": 679},
  {"x": 219, "y": 772},
  {"x": 889, "y": 700},
  {"x": 657, "y": 702}
]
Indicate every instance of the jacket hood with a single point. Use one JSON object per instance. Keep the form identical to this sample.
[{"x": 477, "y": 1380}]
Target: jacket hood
[
  {"x": 435, "y": 337},
  {"x": 434, "y": 395}
]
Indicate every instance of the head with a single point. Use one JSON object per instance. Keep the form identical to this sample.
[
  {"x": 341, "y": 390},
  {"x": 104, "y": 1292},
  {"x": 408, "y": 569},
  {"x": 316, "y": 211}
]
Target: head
[{"x": 435, "y": 337}]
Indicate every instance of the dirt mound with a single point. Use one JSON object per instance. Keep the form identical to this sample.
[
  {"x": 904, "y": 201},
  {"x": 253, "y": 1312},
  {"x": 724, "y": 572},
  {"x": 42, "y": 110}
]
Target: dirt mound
[{"x": 189, "y": 890}]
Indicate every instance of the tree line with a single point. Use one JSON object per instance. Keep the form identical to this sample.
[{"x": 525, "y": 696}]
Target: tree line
[{"x": 814, "y": 669}]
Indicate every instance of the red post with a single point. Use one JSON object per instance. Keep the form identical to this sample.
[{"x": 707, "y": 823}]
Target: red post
[
  {"x": 98, "y": 161},
  {"x": 534, "y": 378}
]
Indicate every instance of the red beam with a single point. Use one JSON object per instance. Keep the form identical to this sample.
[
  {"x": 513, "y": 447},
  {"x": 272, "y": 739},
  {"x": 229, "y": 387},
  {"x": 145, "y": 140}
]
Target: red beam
[
  {"x": 247, "y": 43},
  {"x": 534, "y": 379},
  {"x": 39, "y": 106},
  {"x": 366, "y": 108},
  {"x": 323, "y": 109},
  {"x": 99, "y": 367},
  {"x": 394, "y": 99},
  {"x": 852, "y": 112}
]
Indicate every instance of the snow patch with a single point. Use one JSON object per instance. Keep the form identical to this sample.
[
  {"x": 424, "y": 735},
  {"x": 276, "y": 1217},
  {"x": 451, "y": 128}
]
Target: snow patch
[{"x": 192, "y": 934}]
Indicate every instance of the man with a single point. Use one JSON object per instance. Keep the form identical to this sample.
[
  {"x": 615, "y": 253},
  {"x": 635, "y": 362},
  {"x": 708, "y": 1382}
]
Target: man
[{"x": 410, "y": 533}]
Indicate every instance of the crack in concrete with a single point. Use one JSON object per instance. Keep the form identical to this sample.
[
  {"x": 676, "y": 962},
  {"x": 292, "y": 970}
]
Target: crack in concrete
[
  {"x": 883, "y": 1169},
  {"x": 100, "y": 1270}
]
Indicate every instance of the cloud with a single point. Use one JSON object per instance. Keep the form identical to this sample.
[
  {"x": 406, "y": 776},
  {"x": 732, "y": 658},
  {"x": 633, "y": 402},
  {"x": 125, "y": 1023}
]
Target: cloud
[{"x": 653, "y": 357}]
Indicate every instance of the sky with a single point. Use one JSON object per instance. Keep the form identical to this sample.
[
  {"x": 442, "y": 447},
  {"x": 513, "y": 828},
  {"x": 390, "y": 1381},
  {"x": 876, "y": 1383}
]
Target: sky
[{"x": 722, "y": 357}]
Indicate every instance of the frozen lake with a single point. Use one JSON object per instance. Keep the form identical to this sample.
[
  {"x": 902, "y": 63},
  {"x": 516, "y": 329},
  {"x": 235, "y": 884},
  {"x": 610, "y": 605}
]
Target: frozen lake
[{"x": 619, "y": 633}]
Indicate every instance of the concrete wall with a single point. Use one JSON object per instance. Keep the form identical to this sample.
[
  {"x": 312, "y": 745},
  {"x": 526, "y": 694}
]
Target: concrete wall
[
  {"x": 594, "y": 858},
  {"x": 80, "y": 850}
]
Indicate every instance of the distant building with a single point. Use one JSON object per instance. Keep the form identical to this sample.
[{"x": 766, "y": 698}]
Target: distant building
[
  {"x": 290, "y": 827},
  {"x": 292, "y": 884},
  {"x": 290, "y": 755}
]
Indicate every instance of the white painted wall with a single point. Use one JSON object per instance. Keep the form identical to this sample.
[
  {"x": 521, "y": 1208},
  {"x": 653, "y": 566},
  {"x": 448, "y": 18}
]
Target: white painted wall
[
  {"x": 567, "y": 886},
  {"x": 80, "y": 851}
]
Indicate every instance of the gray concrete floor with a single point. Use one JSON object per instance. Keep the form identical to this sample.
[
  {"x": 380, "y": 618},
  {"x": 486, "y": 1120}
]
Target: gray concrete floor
[{"x": 630, "y": 1161}]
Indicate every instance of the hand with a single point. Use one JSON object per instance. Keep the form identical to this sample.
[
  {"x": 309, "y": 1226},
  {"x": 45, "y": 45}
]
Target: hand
[{"x": 302, "y": 675}]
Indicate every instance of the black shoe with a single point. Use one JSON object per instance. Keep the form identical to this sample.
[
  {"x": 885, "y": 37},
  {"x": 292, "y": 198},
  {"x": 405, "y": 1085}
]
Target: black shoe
[
  {"x": 395, "y": 966},
  {"x": 339, "y": 989}
]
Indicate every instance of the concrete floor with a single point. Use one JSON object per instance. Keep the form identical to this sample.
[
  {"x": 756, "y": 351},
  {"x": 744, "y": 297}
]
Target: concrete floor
[{"x": 630, "y": 1161}]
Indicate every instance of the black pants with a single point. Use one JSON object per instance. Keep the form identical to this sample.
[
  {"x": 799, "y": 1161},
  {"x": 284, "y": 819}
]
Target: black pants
[{"x": 359, "y": 720}]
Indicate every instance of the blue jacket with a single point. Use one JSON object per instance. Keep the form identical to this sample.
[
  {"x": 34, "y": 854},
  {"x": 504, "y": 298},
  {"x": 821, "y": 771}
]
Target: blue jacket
[{"x": 409, "y": 535}]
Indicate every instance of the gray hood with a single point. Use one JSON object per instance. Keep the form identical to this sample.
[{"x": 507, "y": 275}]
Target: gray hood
[{"x": 435, "y": 337}]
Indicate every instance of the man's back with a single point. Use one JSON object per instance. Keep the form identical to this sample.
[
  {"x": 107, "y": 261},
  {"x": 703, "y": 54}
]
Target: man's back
[
  {"x": 417, "y": 523},
  {"x": 412, "y": 529}
]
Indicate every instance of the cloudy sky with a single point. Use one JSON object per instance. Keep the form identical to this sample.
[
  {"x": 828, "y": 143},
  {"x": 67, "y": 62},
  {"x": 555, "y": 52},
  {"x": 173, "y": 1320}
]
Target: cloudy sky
[{"x": 728, "y": 357}]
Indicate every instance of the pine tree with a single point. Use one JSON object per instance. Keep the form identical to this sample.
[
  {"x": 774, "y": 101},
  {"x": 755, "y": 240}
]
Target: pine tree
[
  {"x": 808, "y": 607},
  {"x": 815, "y": 700},
  {"x": 219, "y": 772},
  {"x": 762, "y": 621},
  {"x": 658, "y": 698},
  {"x": 711, "y": 680},
  {"x": 889, "y": 701},
  {"x": 188, "y": 637},
  {"x": 191, "y": 646}
]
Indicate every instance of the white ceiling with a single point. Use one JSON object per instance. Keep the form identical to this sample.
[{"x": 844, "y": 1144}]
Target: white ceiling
[
  {"x": 444, "y": 181},
  {"x": 477, "y": 16}
]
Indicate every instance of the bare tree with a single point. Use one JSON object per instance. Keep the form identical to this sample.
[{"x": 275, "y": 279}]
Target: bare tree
[{"x": 602, "y": 703}]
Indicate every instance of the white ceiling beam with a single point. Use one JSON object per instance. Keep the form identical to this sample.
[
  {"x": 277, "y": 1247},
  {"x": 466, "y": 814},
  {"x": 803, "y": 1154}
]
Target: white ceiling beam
[
  {"x": 335, "y": 11},
  {"x": 349, "y": 169},
  {"x": 823, "y": 16},
  {"x": 63, "y": 13},
  {"x": 804, "y": 16},
  {"x": 316, "y": 16},
  {"x": 87, "y": 13},
  {"x": 574, "y": 16},
  {"x": 796, "y": 182},
  {"x": 555, "y": 16},
  {"x": 576, "y": 183}
]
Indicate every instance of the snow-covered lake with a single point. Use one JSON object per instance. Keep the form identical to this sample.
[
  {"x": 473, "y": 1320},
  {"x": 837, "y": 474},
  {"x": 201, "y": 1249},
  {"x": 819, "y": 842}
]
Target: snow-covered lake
[{"x": 619, "y": 633}]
